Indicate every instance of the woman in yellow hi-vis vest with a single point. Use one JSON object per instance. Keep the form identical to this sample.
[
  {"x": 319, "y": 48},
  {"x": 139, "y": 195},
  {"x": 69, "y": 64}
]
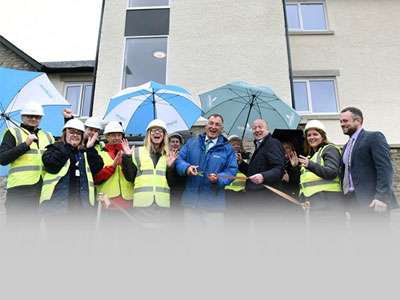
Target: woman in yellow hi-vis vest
[
  {"x": 151, "y": 169},
  {"x": 68, "y": 195},
  {"x": 319, "y": 175}
]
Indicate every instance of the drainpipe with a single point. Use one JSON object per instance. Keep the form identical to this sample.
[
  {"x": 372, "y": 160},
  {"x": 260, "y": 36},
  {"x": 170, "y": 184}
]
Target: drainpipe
[
  {"x": 289, "y": 55},
  {"x": 96, "y": 60}
]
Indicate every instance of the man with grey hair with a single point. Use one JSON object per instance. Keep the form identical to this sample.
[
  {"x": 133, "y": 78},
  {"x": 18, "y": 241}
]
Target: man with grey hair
[{"x": 203, "y": 160}]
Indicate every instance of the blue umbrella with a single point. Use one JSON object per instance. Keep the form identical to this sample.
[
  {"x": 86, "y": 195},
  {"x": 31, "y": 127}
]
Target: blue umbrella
[
  {"x": 240, "y": 104},
  {"x": 135, "y": 107},
  {"x": 18, "y": 87}
]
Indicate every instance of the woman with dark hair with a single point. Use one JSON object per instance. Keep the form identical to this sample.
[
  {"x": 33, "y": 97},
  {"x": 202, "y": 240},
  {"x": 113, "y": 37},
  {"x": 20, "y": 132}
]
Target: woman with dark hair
[
  {"x": 290, "y": 180},
  {"x": 68, "y": 189},
  {"x": 176, "y": 142},
  {"x": 319, "y": 174}
]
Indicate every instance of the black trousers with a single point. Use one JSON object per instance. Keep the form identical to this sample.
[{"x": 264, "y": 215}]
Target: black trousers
[{"x": 22, "y": 205}]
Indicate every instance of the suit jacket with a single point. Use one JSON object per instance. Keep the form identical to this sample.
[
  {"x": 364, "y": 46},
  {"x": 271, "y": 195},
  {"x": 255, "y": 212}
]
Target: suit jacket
[
  {"x": 269, "y": 160},
  {"x": 371, "y": 169}
]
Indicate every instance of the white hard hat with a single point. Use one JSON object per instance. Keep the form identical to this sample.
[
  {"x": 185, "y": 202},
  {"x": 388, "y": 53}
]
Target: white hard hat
[
  {"x": 234, "y": 136},
  {"x": 93, "y": 122},
  {"x": 157, "y": 123},
  {"x": 176, "y": 135},
  {"x": 32, "y": 108},
  {"x": 113, "y": 126},
  {"x": 315, "y": 124},
  {"x": 76, "y": 124}
]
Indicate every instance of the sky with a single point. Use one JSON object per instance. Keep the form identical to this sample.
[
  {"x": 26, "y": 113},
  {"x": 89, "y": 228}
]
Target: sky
[{"x": 52, "y": 30}]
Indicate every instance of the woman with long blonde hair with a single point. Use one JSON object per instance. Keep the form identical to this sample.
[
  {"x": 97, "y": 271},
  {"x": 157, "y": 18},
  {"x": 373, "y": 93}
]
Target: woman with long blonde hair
[{"x": 151, "y": 169}]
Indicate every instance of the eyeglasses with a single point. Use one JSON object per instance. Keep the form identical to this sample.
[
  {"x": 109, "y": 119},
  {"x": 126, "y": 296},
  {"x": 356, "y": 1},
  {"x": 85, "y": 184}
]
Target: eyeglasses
[
  {"x": 211, "y": 123},
  {"x": 33, "y": 117},
  {"x": 155, "y": 130},
  {"x": 74, "y": 132}
]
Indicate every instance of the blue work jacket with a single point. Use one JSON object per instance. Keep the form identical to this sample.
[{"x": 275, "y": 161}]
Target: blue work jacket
[{"x": 220, "y": 159}]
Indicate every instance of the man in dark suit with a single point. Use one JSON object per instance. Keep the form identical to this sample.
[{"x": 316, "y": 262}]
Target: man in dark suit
[
  {"x": 266, "y": 166},
  {"x": 367, "y": 171}
]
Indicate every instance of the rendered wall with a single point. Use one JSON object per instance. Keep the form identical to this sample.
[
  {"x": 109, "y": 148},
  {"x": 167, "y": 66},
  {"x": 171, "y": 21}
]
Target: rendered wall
[{"x": 364, "y": 48}]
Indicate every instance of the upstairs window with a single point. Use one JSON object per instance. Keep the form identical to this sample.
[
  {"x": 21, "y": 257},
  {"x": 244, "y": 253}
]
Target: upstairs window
[
  {"x": 145, "y": 60},
  {"x": 146, "y": 42},
  {"x": 305, "y": 16},
  {"x": 79, "y": 95},
  {"x": 316, "y": 96},
  {"x": 148, "y": 3}
]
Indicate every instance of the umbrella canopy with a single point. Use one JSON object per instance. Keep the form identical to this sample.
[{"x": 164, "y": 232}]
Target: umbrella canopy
[
  {"x": 18, "y": 87},
  {"x": 135, "y": 107},
  {"x": 240, "y": 104},
  {"x": 295, "y": 136}
]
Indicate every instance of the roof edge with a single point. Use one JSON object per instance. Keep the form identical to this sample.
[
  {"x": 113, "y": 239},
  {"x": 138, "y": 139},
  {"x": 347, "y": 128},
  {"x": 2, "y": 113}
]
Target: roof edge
[{"x": 37, "y": 65}]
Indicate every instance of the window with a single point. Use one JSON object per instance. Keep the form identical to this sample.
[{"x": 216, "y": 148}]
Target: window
[
  {"x": 147, "y": 22},
  {"x": 145, "y": 60},
  {"x": 79, "y": 95},
  {"x": 315, "y": 96},
  {"x": 146, "y": 38},
  {"x": 306, "y": 16},
  {"x": 148, "y": 3}
]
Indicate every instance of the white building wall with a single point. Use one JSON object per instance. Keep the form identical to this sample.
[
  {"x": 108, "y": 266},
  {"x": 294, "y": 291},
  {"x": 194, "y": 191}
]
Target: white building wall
[
  {"x": 211, "y": 43},
  {"x": 109, "y": 70},
  {"x": 365, "y": 49}
]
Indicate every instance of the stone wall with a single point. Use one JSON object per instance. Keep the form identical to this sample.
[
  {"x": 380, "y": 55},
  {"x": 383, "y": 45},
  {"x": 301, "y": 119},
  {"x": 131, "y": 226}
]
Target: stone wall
[
  {"x": 9, "y": 59},
  {"x": 396, "y": 167},
  {"x": 2, "y": 201}
]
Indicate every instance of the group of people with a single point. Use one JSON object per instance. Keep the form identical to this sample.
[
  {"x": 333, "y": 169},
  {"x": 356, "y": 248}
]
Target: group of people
[{"x": 205, "y": 183}]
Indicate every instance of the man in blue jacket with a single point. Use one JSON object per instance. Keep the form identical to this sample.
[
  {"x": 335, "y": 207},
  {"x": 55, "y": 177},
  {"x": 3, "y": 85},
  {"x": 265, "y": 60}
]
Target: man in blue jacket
[{"x": 203, "y": 160}]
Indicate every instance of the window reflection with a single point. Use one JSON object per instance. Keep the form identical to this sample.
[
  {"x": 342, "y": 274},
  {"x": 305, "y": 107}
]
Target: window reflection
[{"x": 144, "y": 62}]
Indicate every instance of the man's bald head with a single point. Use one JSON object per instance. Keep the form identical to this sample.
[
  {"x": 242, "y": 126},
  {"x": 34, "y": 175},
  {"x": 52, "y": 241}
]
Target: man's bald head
[{"x": 260, "y": 129}]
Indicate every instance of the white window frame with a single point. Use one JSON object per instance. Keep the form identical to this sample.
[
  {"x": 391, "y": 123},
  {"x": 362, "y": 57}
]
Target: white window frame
[
  {"x": 147, "y": 7},
  {"x": 309, "y": 96},
  {"x": 82, "y": 85},
  {"x": 298, "y": 3},
  {"x": 142, "y": 37}
]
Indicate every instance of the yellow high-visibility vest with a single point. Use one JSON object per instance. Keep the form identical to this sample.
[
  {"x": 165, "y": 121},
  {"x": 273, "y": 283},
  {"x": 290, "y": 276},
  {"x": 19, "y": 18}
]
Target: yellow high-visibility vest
[
  {"x": 99, "y": 147},
  {"x": 310, "y": 183},
  {"x": 116, "y": 185},
  {"x": 50, "y": 181},
  {"x": 237, "y": 185},
  {"x": 28, "y": 168},
  {"x": 150, "y": 183}
]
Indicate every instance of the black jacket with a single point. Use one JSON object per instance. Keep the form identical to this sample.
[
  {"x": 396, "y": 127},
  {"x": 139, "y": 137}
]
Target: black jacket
[
  {"x": 269, "y": 160},
  {"x": 58, "y": 153},
  {"x": 8, "y": 149}
]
